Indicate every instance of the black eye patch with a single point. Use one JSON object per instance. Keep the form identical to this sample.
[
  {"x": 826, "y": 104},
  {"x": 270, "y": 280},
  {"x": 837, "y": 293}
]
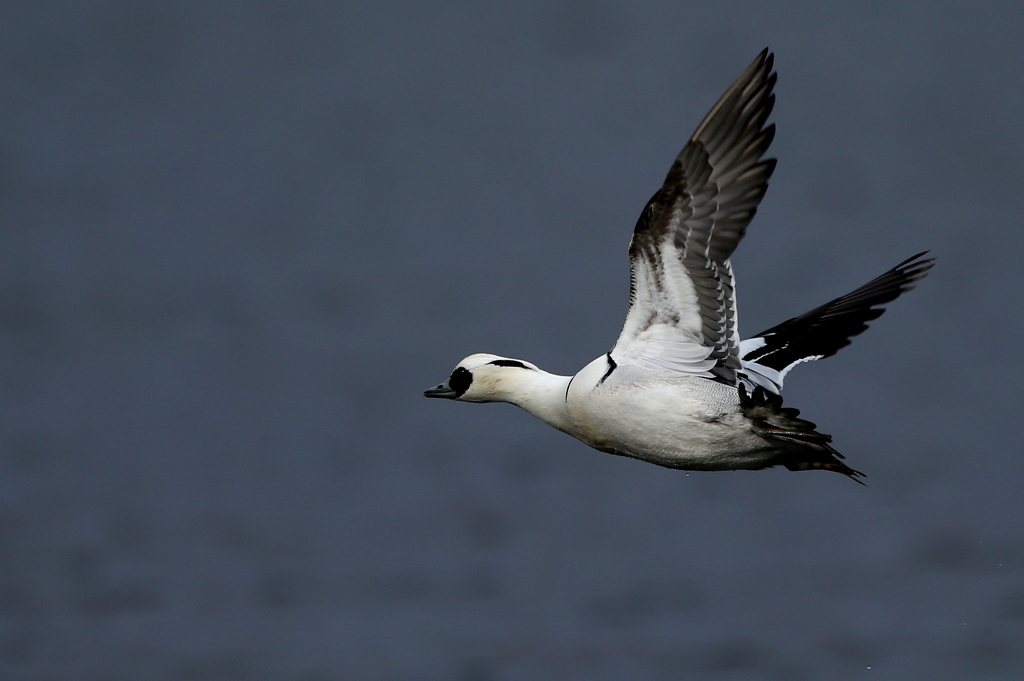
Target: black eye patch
[
  {"x": 508, "y": 363},
  {"x": 460, "y": 381}
]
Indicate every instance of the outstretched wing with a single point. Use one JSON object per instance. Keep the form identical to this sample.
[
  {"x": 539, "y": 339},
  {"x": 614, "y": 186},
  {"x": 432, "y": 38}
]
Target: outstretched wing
[
  {"x": 682, "y": 307},
  {"x": 825, "y": 330}
]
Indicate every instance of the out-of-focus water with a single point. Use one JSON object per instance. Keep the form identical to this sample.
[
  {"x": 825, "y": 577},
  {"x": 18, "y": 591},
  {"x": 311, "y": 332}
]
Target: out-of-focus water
[{"x": 238, "y": 241}]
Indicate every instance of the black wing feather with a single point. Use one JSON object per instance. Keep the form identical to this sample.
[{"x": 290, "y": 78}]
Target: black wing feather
[
  {"x": 825, "y": 330},
  {"x": 697, "y": 219}
]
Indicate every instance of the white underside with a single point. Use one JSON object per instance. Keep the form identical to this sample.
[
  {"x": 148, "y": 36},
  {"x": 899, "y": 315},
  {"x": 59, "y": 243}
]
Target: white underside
[{"x": 676, "y": 421}]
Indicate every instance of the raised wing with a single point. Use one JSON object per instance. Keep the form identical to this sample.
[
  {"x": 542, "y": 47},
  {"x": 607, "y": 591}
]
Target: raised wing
[
  {"x": 822, "y": 332},
  {"x": 682, "y": 307}
]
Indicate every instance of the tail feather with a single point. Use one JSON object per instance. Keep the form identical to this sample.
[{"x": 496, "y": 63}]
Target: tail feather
[{"x": 772, "y": 421}]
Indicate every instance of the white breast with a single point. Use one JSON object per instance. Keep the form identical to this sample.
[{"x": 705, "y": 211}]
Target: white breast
[{"x": 688, "y": 422}]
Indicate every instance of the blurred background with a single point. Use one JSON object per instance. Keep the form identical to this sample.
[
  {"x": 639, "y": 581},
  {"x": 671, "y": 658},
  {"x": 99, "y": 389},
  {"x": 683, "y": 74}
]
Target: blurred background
[{"x": 238, "y": 240}]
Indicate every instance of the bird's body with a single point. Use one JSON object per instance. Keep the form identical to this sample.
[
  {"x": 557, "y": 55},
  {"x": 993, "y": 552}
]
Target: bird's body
[
  {"x": 680, "y": 389},
  {"x": 687, "y": 422}
]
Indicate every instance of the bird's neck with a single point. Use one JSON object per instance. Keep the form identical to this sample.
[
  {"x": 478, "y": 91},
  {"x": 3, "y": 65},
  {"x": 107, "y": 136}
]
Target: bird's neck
[{"x": 543, "y": 395}]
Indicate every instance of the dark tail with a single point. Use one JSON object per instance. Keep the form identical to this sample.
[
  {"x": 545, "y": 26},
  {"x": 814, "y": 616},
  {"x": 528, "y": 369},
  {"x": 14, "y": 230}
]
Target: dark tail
[{"x": 812, "y": 450}]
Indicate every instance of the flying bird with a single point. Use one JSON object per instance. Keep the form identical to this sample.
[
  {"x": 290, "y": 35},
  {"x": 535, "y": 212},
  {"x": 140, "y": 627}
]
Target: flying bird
[{"x": 680, "y": 389}]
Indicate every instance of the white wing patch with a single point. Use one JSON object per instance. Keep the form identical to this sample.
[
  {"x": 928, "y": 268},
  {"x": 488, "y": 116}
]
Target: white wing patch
[
  {"x": 769, "y": 356},
  {"x": 682, "y": 316}
]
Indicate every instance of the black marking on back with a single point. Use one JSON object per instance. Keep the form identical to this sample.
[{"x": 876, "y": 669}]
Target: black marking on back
[
  {"x": 460, "y": 381},
  {"x": 611, "y": 367},
  {"x": 508, "y": 363},
  {"x": 827, "y": 329}
]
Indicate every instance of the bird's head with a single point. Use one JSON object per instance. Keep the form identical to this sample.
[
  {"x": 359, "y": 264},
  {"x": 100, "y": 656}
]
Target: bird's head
[{"x": 484, "y": 378}]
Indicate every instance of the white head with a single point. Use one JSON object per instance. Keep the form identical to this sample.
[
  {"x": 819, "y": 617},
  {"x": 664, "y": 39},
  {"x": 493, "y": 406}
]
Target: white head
[{"x": 486, "y": 378}]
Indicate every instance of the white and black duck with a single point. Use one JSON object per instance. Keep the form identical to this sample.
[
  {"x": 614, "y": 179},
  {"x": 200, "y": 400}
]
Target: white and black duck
[{"x": 680, "y": 389}]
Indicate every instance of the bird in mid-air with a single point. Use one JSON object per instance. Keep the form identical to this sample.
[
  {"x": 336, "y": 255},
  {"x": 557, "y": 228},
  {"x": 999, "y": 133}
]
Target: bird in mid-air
[{"x": 680, "y": 389}]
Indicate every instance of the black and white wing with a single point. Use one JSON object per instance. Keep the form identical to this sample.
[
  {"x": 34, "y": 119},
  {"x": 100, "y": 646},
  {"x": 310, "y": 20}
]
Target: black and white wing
[
  {"x": 682, "y": 307},
  {"x": 825, "y": 330}
]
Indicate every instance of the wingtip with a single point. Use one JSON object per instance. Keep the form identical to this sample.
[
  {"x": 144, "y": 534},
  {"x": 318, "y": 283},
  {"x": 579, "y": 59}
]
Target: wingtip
[
  {"x": 914, "y": 269},
  {"x": 763, "y": 63},
  {"x": 916, "y": 257},
  {"x": 856, "y": 477}
]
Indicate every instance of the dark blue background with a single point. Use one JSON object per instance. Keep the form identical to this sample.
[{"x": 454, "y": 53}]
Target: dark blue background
[{"x": 239, "y": 240}]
